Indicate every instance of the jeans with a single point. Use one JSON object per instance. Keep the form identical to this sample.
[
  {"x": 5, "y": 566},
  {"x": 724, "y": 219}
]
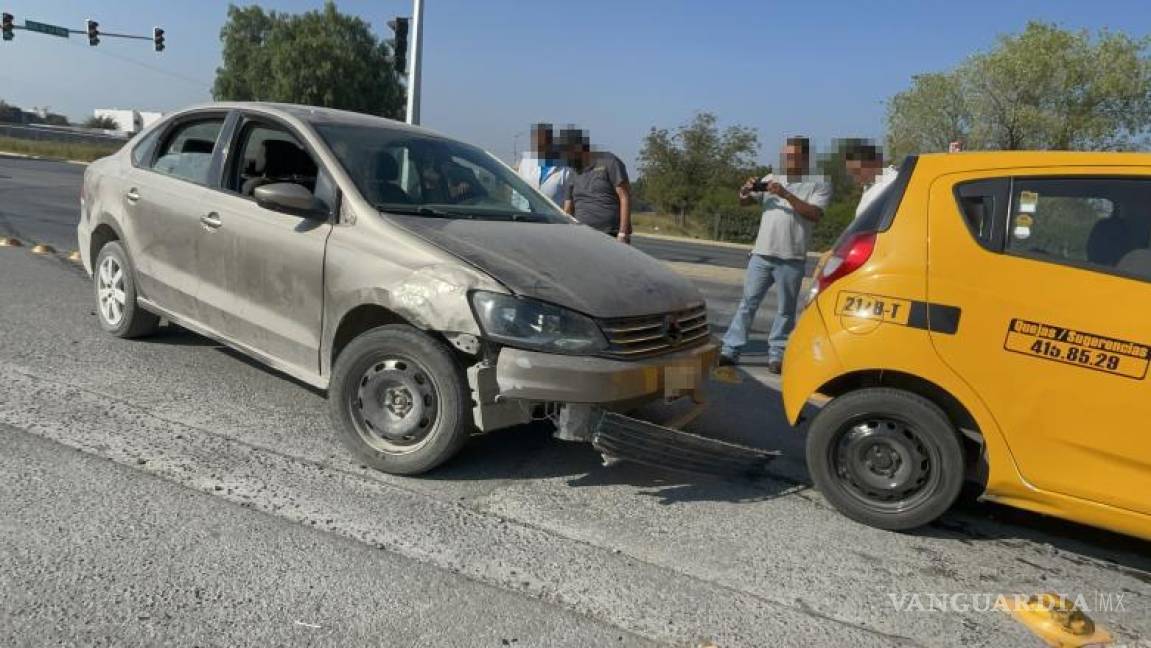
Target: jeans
[{"x": 762, "y": 272}]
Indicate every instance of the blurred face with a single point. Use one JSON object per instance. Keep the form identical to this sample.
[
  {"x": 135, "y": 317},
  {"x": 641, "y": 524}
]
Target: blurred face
[
  {"x": 541, "y": 141},
  {"x": 864, "y": 172},
  {"x": 793, "y": 159}
]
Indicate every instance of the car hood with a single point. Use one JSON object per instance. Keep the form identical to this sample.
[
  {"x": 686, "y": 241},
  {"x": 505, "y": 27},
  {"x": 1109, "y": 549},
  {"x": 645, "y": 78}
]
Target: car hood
[{"x": 569, "y": 265}]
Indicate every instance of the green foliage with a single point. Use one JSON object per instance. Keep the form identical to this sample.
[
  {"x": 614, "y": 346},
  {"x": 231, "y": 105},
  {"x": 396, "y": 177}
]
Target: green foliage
[
  {"x": 1045, "y": 88},
  {"x": 103, "y": 121},
  {"x": 319, "y": 58},
  {"x": 681, "y": 167}
]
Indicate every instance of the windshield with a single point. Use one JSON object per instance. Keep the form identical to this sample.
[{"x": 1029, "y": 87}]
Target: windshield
[{"x": 406, "y": 173}]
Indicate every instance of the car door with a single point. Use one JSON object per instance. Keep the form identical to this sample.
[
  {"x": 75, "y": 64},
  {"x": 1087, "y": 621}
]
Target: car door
[
  {"x": 162, "y": 220},
  {"x": 263, "y": 282},
  {"x": 1052, "y": 271}
]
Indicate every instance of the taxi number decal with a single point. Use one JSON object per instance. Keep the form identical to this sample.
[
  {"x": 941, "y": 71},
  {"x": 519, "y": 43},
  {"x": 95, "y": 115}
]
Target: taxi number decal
[
  {"x": 877, "y": 307},
  {"x": 1078, "y": 348}
]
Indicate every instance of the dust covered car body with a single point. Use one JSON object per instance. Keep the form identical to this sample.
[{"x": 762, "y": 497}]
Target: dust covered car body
[{"x": 414, "y": 277}]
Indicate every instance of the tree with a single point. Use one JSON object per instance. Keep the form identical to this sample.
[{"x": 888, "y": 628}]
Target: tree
[
  {"x": 1045, "y": 88},
  {"x": 696, "y": 161},
  {"x": 319, "y": 58},
  {"x": 102, "y": 121}
]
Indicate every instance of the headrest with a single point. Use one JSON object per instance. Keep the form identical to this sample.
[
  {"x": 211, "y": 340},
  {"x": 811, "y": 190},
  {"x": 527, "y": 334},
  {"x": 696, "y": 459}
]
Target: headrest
[
  {"x": 282, "y": 158},
  {"x": 1109, "y": 240},
  {"x": 197, "y": 146},
  {"x": 387, "y": 170}
]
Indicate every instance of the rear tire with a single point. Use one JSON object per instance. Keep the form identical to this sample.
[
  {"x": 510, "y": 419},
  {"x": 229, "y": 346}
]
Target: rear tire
[
  {"x": 114, "y": 280},
  {"x": 399, "y": 400},
  {"x": 886, "y": 457}
]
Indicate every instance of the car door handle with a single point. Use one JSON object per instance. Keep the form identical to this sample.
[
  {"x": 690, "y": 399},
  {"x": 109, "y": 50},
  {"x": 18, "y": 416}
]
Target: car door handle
[
  {"x": 211, "y": 221},
  {"x": 132, "y": 195}
]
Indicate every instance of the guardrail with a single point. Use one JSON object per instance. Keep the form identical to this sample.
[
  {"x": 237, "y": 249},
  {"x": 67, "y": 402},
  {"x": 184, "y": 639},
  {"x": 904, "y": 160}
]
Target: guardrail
[
  {"x": 735, "y": 226},
  {"x": 70, "y": 134}
]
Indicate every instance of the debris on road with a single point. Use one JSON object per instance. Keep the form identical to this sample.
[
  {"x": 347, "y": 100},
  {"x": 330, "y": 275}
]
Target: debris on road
[{"x": 619, "y": 437}]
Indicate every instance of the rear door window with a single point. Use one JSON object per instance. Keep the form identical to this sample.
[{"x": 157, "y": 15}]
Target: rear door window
[
  {"x": 187, "y": 150},
  {"x": 1101, "y": 224}
]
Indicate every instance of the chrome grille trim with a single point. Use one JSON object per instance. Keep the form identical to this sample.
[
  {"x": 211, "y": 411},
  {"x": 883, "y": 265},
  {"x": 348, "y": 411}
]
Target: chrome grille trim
[{"x": 650, "y": 335}]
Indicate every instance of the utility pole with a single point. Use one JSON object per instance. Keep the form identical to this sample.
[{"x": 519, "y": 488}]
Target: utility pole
[{"x": 416, "y": 55}]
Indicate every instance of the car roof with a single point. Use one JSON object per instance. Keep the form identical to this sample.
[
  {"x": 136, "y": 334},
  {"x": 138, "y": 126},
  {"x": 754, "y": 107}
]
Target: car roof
[
  {"x": 314, "y": 115},
  {"x": 939, "y": 163}
]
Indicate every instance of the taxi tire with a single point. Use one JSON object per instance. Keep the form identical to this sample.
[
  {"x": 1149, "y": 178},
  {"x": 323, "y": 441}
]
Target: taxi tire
[
  {"x": 932, "y": 426},
  {"x": 451, "y": 429}
]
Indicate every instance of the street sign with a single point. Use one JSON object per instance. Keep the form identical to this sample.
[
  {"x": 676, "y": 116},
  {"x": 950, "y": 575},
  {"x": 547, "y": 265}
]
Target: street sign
[{"x": 45, "y": 28}]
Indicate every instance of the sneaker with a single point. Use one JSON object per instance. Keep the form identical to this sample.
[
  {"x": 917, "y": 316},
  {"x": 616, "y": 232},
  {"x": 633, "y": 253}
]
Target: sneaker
[
  {"x": 775, "y": 366},
  {"x": 727, "y": 361}
]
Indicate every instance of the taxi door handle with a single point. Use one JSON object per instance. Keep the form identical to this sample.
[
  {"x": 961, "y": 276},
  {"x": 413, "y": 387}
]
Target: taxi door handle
[{"x": 132, "y": 195}]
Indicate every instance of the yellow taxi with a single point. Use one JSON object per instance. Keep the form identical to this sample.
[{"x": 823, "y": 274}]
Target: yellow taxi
[{"x": 987, "y": 319}]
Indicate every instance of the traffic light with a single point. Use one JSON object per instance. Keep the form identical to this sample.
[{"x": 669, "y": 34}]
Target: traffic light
[
  {"x": 7, "y": 26},
  {"x": 93, "y": 29},
  {"x": 400, "y": 48},
  {"x": 158, "y": 38}
]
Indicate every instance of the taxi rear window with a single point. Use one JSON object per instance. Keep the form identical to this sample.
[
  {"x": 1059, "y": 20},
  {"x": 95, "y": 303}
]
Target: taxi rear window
[{"x": 879, "y": 215}]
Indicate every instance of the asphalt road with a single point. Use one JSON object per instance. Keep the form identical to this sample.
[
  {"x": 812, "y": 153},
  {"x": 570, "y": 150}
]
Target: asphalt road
[{"x": 170, "y": 491}]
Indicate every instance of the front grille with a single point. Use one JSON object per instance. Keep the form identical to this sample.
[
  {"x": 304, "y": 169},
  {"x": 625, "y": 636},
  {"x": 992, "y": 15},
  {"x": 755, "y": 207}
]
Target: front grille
[{"x": 649, "y": 335}]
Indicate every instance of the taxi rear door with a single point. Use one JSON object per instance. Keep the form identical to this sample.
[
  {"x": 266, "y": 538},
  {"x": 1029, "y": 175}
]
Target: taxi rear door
[{"x": 1052, "y": 274}]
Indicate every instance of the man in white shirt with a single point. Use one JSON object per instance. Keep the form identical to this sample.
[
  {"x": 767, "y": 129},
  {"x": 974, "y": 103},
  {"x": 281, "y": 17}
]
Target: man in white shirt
[
  {"x": 792, "y": 204},
  {"x": 865, "y": 166},
  {"x": 543, "y": 167}
]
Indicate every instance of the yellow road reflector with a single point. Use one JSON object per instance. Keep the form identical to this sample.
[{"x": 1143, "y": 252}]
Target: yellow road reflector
[
  {"x": 1056, "y": 620},
  {"x": 727, "y": 375},
  {"x": 40, "y": 248},
  {"x": 7, "y": 241},
  {"x": 74, "y": 255}
]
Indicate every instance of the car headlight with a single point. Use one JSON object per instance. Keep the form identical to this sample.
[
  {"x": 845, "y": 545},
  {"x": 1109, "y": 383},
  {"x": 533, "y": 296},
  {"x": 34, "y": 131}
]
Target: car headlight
[{"x": 536, "y": 325}]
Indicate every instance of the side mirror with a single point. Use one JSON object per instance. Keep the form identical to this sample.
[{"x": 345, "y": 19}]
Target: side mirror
[{"x": 290, "y": 198}]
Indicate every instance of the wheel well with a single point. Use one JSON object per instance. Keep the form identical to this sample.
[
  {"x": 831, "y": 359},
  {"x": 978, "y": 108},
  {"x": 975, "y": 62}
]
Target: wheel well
[
  {"x": 969, "y": 432},
  {"x": 358, "y": 320},
  {"x": 101, "y": 236}
]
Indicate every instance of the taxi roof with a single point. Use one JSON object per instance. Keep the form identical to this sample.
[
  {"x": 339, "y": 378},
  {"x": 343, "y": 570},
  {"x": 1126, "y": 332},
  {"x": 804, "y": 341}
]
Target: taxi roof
[{"x": 980, "y": 160}]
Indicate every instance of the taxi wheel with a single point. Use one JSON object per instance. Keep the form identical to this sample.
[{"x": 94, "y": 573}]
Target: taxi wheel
[
  {"x": 400, "y": 400},
  {"x": 886, "y": 457}
]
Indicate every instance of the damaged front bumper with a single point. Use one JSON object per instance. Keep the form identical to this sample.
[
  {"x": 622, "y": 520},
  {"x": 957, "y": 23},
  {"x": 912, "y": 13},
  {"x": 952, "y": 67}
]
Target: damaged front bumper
[
  {"x": 535, "y": 376},
  {"x": 507, "y": 390}
]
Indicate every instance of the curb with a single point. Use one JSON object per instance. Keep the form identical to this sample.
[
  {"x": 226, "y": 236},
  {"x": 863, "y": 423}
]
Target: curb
[
  {"x": 709, "y": 243},
  {"x": 28, "y": 156},
  {"x": 684, "y": 239}
]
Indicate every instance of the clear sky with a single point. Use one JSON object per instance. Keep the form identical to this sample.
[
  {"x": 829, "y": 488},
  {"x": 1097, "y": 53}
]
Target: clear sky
[{"x": 615, "y": 67}]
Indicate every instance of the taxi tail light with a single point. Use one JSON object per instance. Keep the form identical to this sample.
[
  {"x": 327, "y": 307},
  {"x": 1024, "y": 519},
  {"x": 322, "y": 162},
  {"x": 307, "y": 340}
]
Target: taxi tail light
[{"x": 848, "y": 257}]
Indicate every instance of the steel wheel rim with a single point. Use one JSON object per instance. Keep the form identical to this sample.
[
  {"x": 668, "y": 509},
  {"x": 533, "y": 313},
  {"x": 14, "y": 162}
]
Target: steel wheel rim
[
  {"x": 111, "y": 296},
  {"x": 395, "y": 405},
  {"x": 885, "y": 463}
]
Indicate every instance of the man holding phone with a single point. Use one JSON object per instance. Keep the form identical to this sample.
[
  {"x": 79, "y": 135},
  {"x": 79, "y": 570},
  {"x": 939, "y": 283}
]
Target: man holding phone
[{"x": 792, "y": 204}]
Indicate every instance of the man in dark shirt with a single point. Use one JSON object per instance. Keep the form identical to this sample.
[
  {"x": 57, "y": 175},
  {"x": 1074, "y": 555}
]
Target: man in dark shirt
[{"x": 599, "y": 195}]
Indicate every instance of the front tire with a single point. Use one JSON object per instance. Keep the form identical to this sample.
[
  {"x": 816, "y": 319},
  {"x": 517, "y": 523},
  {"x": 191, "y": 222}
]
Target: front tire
[
  {"x": 399, "y": 400},
  {"x": 886, "y": 457},
  {"x": 114, "y": 280}
]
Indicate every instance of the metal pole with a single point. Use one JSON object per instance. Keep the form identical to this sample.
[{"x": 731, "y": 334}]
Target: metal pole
[{"x": 416, "y": 51}]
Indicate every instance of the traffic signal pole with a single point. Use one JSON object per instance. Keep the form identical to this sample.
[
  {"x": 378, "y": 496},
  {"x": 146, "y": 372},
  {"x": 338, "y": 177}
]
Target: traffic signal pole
[{"x": 416, "y": 58}]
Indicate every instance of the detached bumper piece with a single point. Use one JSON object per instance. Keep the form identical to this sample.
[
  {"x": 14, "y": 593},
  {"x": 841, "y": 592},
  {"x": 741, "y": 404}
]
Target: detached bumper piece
[{"x": 619, "y": 437}]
